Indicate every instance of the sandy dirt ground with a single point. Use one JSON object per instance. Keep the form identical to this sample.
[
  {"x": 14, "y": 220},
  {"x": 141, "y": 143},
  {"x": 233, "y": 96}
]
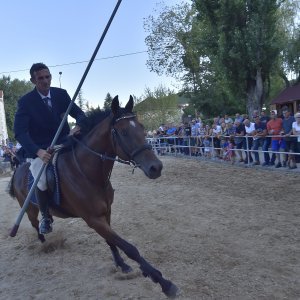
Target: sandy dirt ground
[{"x": 217, "y": 231}]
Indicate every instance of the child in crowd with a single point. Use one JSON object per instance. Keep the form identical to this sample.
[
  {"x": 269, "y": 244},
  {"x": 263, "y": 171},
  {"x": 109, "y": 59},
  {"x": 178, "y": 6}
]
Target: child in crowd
[
  {"x": 224, "y": 147},
  {"x": 207, "y": 146},
  {"x": 229, "y": 153}
]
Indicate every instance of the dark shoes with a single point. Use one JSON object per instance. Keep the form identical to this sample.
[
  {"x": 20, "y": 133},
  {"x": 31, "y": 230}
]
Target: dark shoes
[
  {"x": 278, "y": 165},
  {"x": 265, "y": 164},
  {"x": 246, "y": 161},
  {"x": 256, "y": 163},
  {"x": 293, "y": 167},
  {"x": 45, "y": 226}
]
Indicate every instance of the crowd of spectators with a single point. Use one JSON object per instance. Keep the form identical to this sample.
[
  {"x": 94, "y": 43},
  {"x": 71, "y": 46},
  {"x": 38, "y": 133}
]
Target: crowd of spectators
[
  {"x": 8, "y": 154},
  {"x": 236, "y": 139}
]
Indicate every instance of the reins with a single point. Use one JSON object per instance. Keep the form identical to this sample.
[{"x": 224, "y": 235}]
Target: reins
[
  {"x": 104, "y": 156},
  {"x": 118, "y": 140}
]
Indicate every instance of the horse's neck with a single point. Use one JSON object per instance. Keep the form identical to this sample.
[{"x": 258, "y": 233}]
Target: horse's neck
[
  {"x": 92, "y": 161},
  {"x": 99, "y": 139}
]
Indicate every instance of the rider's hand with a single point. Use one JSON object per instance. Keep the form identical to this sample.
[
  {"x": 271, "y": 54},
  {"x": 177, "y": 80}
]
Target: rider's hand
[{"x": 44, "y": 155}]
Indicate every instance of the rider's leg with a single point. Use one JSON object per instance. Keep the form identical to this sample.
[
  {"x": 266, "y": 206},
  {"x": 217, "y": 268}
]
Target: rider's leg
[
  {"x": 42, "y": 195},
  {"x": 45, "y": 225}
]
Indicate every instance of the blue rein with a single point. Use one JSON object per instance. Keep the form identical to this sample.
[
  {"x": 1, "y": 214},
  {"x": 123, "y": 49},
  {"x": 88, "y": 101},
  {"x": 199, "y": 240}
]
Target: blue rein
[{"x": 116, "y": 138}]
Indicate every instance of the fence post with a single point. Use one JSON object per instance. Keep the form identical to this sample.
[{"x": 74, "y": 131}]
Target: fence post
[{"x": 247, "y": 151}]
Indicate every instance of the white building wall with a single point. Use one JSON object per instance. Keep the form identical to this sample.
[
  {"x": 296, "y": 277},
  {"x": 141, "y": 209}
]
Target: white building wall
[{"x": 3, "y": 127}]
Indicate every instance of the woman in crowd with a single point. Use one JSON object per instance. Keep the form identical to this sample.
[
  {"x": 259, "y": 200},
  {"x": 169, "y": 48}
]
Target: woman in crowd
[{"x": 296, "y": 131}]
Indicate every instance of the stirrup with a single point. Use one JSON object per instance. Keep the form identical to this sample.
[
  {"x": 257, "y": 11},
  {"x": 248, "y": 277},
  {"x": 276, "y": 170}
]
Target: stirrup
[{"x": 45, "y": 226}]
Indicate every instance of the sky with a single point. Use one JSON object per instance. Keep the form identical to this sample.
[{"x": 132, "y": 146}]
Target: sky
[{"x": 63, "y": 34}]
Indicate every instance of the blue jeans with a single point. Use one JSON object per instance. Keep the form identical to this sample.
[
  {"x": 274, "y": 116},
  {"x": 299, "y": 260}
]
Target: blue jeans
[
  {"x": 264, "y": 143},
  {"x": 248, "y": 153},
  {"x": 179, "y": 142}
]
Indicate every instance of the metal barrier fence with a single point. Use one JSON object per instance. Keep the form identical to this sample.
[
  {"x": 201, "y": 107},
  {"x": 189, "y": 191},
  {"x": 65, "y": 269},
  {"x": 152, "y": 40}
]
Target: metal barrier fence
[{"x": 184, "y": 145}]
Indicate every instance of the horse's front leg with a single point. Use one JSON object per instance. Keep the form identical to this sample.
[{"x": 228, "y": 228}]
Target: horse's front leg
[
  {"x": 103, "y": 228},
  {"x": 32, "y": 213},
  {"x": 119, "y": 261},
  {"x": 168, "y": 288}
]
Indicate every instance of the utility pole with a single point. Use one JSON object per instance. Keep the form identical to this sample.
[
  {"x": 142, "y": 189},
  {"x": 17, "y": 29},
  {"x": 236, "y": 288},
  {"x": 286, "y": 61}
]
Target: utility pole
[{"x": 60, "y": 79}]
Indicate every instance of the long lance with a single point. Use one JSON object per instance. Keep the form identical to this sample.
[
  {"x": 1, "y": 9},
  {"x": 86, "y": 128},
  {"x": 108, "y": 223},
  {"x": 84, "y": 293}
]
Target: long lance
[{"x": 15, "y": 228}]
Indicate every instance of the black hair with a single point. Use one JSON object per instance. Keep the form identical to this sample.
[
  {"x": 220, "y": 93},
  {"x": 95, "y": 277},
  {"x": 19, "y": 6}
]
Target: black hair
[{"x": 37, "y": 67}]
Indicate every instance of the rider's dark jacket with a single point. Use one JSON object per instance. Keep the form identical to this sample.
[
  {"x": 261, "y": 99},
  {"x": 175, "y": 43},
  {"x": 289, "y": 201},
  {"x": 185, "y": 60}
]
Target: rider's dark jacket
[{"x": 35, "y": 125}]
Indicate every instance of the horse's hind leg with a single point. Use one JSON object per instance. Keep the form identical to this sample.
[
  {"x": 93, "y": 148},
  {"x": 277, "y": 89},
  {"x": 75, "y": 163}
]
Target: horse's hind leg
[{"x": 103, "y": 228}]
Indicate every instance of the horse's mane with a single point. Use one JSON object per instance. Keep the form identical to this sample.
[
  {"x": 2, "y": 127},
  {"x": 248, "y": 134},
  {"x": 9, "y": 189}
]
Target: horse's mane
[{"x": 93, "y": 117}]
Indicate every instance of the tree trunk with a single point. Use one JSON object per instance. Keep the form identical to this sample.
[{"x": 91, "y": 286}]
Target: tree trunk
[
  {"x": 283, "y": 76},
  {"x": 255, "y": 94}
]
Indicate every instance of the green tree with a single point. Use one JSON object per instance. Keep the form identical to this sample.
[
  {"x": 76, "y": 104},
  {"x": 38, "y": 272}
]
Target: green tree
[
  {"x": 175, "y": 49},
  {"x": 83, "y": 103},
  {"x": 13, "y": 90},
  {"x": 80, "y": 100},
  {"x": 87, "y": 106},
  {"x": 228, "y": 51},
  {"x": 166, "y": 39},
  {"x": 107, "y": 101},
  {"x": 290, "y": 30},
  {"x": 159, "y": 106}
]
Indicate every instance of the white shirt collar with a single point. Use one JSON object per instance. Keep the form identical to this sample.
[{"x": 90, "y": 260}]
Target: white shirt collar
[{"x": 43, "y": 96}]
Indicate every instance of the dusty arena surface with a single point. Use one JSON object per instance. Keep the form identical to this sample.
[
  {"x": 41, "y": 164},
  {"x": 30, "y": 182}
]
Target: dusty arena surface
[{"x": 217, "y": 231}]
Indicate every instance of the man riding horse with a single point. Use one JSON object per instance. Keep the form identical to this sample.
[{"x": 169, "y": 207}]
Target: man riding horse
[{"x": 37, "y": 120}]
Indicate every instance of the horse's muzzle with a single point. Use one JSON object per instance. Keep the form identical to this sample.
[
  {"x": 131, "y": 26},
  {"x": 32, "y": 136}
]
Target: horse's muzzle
[{"x": 152, "y": 168}]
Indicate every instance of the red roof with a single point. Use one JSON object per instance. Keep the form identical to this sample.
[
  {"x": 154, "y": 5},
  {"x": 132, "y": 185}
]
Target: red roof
[{"x": 289, "y": 94}]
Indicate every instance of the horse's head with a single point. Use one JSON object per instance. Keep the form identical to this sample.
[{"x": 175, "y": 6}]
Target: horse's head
[{"x": 129, "y": 139}]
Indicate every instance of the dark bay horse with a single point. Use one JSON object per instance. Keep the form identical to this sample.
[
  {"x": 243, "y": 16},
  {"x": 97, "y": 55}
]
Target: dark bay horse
[{"x": 84, "y": 180}]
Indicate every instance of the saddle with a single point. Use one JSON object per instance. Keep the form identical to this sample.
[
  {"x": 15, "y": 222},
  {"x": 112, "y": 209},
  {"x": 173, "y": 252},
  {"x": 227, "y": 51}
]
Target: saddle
[{"x": 52, "y": 182}]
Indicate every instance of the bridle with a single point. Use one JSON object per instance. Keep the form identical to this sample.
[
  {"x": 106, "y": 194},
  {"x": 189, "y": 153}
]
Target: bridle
[{"x": 117, "y": 140}]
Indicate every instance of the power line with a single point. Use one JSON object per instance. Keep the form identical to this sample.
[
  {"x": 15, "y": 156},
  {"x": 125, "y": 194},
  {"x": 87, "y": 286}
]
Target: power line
[{"x": 81, "y": 62}]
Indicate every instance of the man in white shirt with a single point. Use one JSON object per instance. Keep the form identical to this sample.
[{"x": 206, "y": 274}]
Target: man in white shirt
[
  {"x": 250, "y": 130},
  {"x": 227, "y": 119},
  {"x": 215, "y": 133}
]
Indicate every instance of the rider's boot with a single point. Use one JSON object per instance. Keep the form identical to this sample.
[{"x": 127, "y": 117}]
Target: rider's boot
[{"x": 45, "y": 225}]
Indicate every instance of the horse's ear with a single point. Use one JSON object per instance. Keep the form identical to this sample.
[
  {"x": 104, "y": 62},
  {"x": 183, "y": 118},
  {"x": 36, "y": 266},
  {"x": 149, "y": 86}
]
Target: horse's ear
[
  {"x": 115, "y": 105},
  {"x": 129, "y": 105}
]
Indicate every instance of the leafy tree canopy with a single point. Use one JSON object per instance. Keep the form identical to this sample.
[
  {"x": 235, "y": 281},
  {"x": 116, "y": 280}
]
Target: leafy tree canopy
[
  {"x": 159, "y": 106},
  {"x": 107, "y": 101},
  {"x": 225, "y": 51},
  {"x": 12, "y": 90}
]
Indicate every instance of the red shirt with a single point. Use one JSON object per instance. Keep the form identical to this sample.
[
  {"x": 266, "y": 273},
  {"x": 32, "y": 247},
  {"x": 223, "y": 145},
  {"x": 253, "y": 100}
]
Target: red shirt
[{"x": 276, "y": 126}]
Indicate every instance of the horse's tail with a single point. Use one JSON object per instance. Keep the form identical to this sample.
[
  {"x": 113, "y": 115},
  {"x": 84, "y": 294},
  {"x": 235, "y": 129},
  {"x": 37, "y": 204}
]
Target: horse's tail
[{"x": 10, "y": 187}]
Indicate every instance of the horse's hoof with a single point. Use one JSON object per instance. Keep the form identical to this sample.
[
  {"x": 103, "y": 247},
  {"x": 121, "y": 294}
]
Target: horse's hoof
[
  {"x": 126, "y": 269},
  {"x": 145, "y": 274},
  {"x": 171, "y": 291},
  {"x": 42, "y": 238}
]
